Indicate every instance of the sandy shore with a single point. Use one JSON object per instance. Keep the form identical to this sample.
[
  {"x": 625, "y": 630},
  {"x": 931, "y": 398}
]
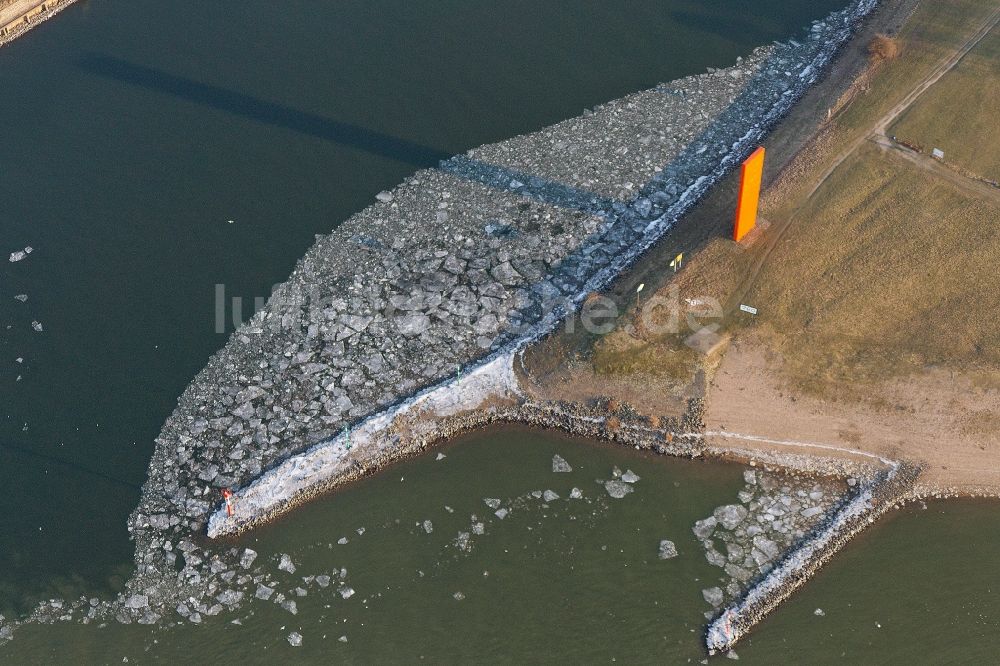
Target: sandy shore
[{"x": 928, "y": 421}]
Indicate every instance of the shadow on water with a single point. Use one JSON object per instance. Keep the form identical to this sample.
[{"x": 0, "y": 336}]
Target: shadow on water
[{"x": 270, "y": 113}]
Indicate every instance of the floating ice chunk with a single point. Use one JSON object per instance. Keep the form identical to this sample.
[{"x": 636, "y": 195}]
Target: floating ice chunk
[
  {"x": 576, "y": 493},
  {"x": 630, "y": 477},
  {"x": 491, "y": 502},
  {"x": 731, "y": 515},
  {"x": 667, "y": 549},
  {"x": 290, "y": 606},
  {"x": 458, "y": 596},
  {"x": 360, "y": 531},
  {"x": 819, "y": 612},
  {"x": 618, "y": 489},
  {"x": 342, "y": 639},
  {"x": 286, "y": 564},
  {"x": 246, "y": 560},
  {"x": 264, "y": 592},
  {"x": 812, "y": 511},
  {"x": 478, "y": 528},
  {"x": 428, "y": 526},
  {"x": 295, "y": 639},
  {"x": 347, "y": 592},
  {"x": 549, "y": 496},
  {"x": 22, "y": 297},
  {"x": 704, "y": 528},
  {"x": 715, "y": 558},
  {"x": 323, "y": 580},
  {"x": 20, "y": 254},
  {"x": 559, "y": 464},
  {"x": 440, "y": 456},
  {"x": 501, "y": 513},
  {"x": 714, "y": 596},
  {"x": 37, "y": 325},
  {"x": 342, "y": 541}
]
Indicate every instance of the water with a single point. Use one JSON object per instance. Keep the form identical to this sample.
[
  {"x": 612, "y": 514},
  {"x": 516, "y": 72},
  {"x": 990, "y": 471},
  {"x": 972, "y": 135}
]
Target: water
[
  {"x": 136, "y": 130},
  {"x": 577, "y": 580}
]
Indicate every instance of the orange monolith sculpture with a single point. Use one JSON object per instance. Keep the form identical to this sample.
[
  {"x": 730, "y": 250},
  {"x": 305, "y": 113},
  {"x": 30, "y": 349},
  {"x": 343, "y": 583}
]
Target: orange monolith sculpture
[{"x": 746, "y": 202}]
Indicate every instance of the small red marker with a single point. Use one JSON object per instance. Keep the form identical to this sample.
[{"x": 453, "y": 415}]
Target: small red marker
[{"x": 227, "y": 494}]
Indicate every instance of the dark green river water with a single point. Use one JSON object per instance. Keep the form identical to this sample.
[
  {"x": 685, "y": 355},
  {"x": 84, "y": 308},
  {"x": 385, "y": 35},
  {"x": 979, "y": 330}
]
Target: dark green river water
[{"x": 152, "y": 150}]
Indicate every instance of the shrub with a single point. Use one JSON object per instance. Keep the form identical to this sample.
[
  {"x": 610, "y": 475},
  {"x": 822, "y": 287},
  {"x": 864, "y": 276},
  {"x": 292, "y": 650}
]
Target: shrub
[{"x": 883, "y": 47}]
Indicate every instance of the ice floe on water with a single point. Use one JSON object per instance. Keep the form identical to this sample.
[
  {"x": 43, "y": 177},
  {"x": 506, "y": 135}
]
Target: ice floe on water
[
  {"x": 560, "y": 465},
  {"x": 18, "y": 255},
  {"x": 618, "y": 489},
  {"x": 667, "y": 549}
]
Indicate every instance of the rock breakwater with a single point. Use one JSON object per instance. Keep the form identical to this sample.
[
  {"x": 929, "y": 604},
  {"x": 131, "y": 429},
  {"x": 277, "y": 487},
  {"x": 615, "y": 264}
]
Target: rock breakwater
[
  {"x": 873, "y": 498},
  {"x": 359, "y": 358}
]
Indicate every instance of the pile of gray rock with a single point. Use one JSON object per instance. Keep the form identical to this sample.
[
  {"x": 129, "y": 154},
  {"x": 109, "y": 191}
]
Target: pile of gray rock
[
  {"x": 774, "y": 512},
  {"x": 456, "y": 263}
]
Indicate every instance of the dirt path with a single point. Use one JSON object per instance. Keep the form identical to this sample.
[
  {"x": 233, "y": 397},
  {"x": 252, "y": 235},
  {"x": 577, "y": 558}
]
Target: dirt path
[
  {"x": 974, "y": 187},
  {"x": 877, "y": 129},
  {"x": 935, "y": 418},
  {"x": 880, "y": 125}
]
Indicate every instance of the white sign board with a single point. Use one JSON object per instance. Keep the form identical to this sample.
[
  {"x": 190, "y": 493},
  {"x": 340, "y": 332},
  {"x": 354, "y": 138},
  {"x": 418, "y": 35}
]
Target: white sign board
[{"x": 747, "y": 308}]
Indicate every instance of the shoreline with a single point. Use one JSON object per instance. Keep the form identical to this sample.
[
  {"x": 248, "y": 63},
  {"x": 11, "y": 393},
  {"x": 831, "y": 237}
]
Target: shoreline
[
  {"x": 277, "y": 488},
  {"x": 180, "y": 492},
  {"x": 31, "y": 18}
]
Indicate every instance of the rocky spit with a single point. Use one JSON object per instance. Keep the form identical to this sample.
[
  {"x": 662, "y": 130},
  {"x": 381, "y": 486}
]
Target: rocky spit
[
  {"x": 888, "y": 489},
  {"x": 774, "y": 512},
  {"x": 400, "y": 328}
]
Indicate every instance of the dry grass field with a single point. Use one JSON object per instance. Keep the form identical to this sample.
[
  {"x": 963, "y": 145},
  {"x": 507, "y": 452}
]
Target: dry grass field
[
  {"x": 961, "y": 113},
  {"x": 888, "y": 271},
  {"x": 876, "y": 281}
]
